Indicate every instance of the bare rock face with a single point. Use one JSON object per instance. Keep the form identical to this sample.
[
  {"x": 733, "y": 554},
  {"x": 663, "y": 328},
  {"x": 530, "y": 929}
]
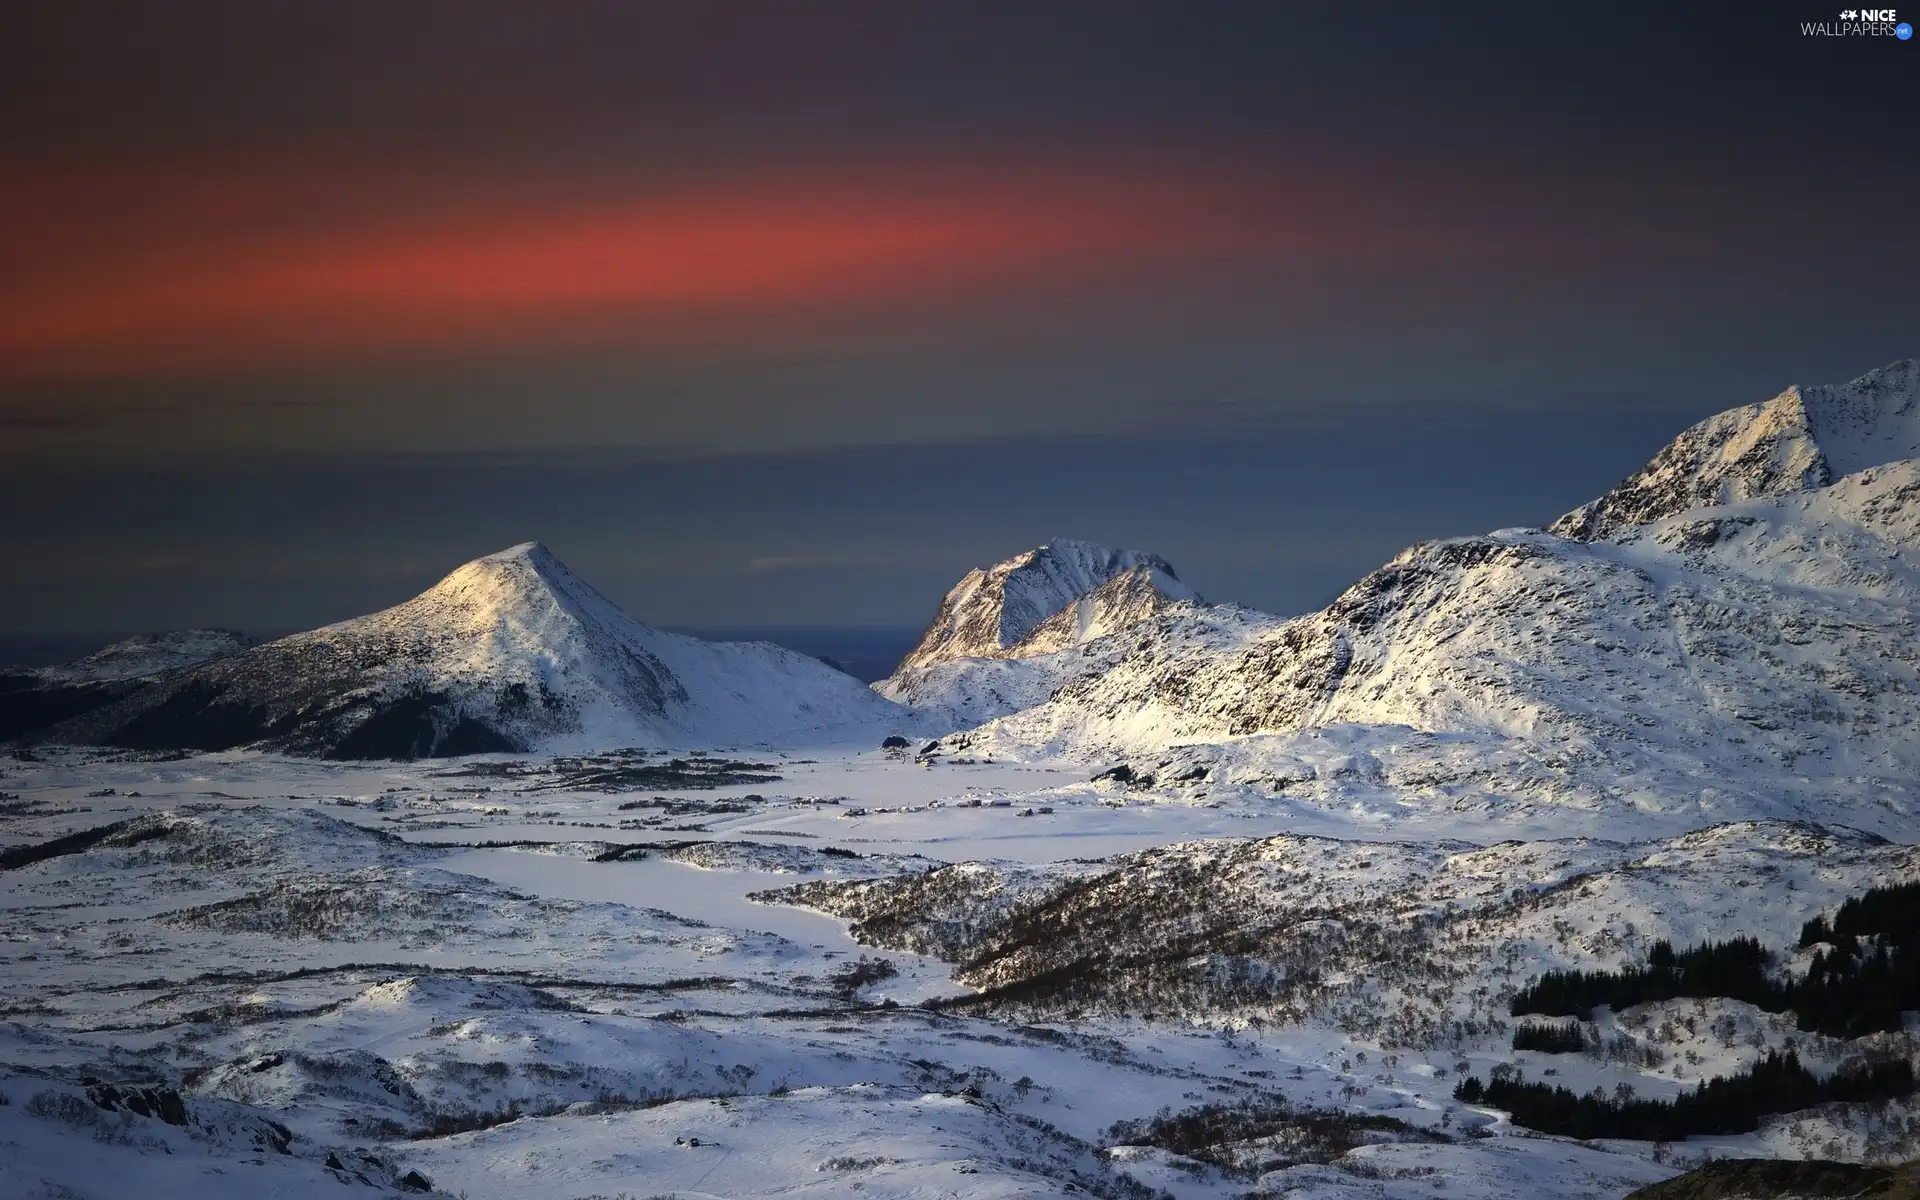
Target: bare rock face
[
  {"x": 1802, "y": 439},
  {"x": 997, "y": 611}
]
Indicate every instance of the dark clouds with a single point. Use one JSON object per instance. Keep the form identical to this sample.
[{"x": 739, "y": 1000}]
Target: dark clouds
[
  {"x": 479, "y": 76},
  {"x": 302, "y": 303}
]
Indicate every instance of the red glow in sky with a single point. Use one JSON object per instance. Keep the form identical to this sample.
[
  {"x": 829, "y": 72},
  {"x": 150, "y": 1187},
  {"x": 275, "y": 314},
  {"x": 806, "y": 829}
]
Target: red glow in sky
[{"x": 206, "y": 271}]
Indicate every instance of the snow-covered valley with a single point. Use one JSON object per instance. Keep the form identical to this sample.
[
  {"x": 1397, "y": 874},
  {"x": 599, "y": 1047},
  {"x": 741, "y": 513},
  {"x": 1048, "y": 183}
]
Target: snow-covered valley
[{"x": 349, "y": 973}]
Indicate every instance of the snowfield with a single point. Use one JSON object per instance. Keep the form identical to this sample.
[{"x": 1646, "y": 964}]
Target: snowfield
[
  {"x": 501, "y": 893},
  {"x": 362, "y": 975}
]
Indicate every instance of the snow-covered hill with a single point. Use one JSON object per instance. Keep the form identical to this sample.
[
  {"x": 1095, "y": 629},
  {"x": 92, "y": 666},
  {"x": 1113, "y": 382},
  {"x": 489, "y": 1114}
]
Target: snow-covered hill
[
  {"x": 1413, "y": 944},
  {"x": 509, "y": 652},
  {"x": 149, "y": 654},
  {"x": 1754, "y": 658}
]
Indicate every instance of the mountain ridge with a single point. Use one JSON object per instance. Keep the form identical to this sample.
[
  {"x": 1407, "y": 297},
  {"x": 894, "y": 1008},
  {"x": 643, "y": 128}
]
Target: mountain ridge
[
  {"x": 149, "y": 654},
  {"x": 1754, "y": 658}
]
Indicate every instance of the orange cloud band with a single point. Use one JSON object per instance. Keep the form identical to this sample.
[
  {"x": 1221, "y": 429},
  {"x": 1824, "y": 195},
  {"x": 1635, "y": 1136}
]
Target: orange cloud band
[{"x": 117, "y": 273}]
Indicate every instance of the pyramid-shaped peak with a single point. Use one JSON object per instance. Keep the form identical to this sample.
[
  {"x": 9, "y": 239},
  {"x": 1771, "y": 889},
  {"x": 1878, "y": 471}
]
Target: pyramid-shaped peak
[
  {"x": 529, "y": 551},
  {"x": 527, "y": 561},
  {"x": 526, "y": 555},
  {"x": 509, "y": 652},
  {"x": 524, "y": 590}
]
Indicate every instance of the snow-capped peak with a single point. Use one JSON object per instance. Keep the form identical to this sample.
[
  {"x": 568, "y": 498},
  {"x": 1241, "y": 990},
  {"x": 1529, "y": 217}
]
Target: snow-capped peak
[
  {"x": 521, "y": 610},
  {"x": 993, "y": 611},
  {"x": 1802, "y": 439},
  {"x": 507, "y": 583},
  {"x": 1733, "y": 629}
]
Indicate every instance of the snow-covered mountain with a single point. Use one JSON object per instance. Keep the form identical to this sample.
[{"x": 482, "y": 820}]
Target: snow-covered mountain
[
  {"x": 1003, "y": 638},
  {"x": 510, "y": 652},
  {"x": 149, "y": 654},
  {"x": 1804, "y": 438},
  {"x": 1049, "y": 597},
  {"x": 1748, "y": 645}
]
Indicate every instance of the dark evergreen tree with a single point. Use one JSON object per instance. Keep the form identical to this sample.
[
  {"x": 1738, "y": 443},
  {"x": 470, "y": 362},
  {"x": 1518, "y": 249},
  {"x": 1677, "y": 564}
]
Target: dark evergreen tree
[{"x": 1728, "y": 1105}]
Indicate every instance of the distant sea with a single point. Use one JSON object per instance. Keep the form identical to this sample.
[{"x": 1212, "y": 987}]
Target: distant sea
[{"x": 865, "y": 652}]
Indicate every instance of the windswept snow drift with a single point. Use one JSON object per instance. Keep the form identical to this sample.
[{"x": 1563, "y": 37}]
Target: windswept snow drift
[{"x": 510, "y": 652}]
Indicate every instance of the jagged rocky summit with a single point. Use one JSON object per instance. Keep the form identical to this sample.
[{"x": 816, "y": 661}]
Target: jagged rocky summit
[
  {"x": 977, "y": 658},
  {"x": 1052, "y": 596},
  {"x": 510, "y": 652}
]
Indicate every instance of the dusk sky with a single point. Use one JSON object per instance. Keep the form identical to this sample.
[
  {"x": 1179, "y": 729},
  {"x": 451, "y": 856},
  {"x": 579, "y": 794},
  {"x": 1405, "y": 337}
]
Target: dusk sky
[{"x": 789, "y": 313}]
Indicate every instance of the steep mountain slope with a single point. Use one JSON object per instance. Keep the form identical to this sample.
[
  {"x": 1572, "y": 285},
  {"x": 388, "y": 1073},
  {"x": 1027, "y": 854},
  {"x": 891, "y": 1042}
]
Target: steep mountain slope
[
  {"x": 509, "y": 652},
  {"x": 1757, "y": 658},
  {"x": 1804, "y": 438},
  {"x": 968, "y": 692},
  {"x": 994, "y": 611}
]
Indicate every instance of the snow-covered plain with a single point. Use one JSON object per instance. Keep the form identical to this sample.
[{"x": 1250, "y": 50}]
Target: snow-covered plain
[{"x": 352, "y": 972}]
